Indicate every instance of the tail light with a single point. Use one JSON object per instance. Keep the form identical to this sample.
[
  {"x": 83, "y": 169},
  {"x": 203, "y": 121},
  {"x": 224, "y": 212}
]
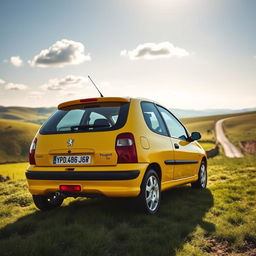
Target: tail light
[
  {"x": 32, "y": 151},
  {"x": 70, "y": 188},
  {"x": 126, "y": 148}
]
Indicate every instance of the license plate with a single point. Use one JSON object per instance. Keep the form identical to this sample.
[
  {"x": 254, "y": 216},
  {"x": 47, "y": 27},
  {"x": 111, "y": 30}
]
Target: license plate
[{"x": 82, "y": 159}]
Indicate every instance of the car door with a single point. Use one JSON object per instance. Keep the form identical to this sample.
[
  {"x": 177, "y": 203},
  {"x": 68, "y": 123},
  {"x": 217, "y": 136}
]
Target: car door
[
  {"x": 186, "y": 157},
  {"x": 158, "y": 137}
]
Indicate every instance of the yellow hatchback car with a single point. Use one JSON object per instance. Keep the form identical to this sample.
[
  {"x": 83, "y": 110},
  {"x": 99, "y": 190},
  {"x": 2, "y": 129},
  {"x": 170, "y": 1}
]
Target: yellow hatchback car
[{"x": 116, "y": 147}]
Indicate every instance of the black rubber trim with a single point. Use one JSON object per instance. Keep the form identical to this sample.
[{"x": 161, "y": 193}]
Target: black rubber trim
[
  {"x": 177, "y": 162},
  {"x": 89, "y": 175}
]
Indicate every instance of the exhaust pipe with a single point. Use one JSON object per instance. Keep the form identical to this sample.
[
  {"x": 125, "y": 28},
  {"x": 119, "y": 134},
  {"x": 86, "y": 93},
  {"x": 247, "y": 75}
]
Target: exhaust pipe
[{"x": 59, "y": 194}]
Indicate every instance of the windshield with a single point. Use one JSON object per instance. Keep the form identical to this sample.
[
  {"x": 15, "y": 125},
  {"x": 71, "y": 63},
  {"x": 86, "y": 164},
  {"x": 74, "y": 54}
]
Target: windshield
[{"x": 87, "y": 118}]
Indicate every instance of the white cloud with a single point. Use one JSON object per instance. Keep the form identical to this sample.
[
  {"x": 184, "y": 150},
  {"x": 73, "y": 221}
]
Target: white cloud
[
  {"x": 67, "y": 82},
  {"x": 62, "y": 53},
  {"x": 67, "y": 94},
  {"x": 16, "y": 87},
  {"x": 105, "y": 84},
  {"x": 16, "y": 61},
  {"x": 36, "y": 94},
  {"x": 155, "y": 51},
  {"x": 2, "y": 81}
]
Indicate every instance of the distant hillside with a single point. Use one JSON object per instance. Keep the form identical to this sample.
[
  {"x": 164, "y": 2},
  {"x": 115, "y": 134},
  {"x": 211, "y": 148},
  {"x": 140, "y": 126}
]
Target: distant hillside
[
  {"x": 184, "y": 113},
  {"x": 241, "y": 128},
  {"x": 206, "y": 124},
  {"x": 33, "y": 115},
  {"x": 16, "y": 137},
  {"x": 39, "y": 115}
]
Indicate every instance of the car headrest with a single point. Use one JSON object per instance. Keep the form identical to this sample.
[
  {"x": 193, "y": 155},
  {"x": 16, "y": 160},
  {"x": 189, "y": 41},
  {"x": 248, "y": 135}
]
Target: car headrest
[{"x": 101, "y": 122}]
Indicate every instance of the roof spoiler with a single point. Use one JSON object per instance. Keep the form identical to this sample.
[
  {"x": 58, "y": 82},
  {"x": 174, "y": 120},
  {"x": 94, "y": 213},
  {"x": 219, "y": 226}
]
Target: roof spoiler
[{"x": 92, "y": 100}]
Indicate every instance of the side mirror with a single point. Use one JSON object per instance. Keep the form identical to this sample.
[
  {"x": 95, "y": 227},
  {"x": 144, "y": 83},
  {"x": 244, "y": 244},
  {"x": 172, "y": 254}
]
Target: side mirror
[{"x": 195, "y": 136}]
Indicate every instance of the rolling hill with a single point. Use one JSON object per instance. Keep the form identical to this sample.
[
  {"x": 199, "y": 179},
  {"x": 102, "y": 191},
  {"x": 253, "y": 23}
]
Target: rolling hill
[
  {"x": 205, "y": 124},
  {"x": 16, "y": 137},
  {"x": 242, "y": 128},
  {"x": 33, "y": 115}
]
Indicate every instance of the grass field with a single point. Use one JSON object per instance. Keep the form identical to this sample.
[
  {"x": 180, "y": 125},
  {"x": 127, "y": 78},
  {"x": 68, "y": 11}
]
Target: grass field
[
  {"x": 220, "y": 220},
  {"x": 207, "y": 145},
  {"x": 14, "y": 171},
  {"x": 190, "y": 222},
  {"x": 16, "y": 137},
  {"x": 241, "y": 128}
]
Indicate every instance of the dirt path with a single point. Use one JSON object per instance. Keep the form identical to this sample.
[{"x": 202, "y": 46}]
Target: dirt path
[{"x": 230, "y": 149}]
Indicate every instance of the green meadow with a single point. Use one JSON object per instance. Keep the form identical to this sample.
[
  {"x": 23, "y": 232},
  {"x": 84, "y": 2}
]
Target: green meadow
[
  {"x": 207, "y": 145},
  {"x": 190, "y": 222},
  {"x": 15, "y": 171}
]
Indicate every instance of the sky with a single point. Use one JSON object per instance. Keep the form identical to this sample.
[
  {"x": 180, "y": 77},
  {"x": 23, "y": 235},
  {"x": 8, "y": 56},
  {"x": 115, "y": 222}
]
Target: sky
[{"x": 189, "y": 54}]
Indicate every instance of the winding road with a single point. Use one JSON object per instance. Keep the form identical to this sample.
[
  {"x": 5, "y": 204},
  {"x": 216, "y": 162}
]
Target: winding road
[{"x": 230, "y": 149}]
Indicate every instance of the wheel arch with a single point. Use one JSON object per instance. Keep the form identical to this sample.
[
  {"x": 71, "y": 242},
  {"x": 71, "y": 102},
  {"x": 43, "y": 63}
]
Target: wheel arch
[{"x": 157, "y": 168}]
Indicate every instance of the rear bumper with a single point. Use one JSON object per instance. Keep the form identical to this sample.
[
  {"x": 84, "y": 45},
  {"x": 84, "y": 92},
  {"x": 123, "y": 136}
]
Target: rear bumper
[
  {"x": 123, "y": 180},
  {"x": 90, "y": 175}
]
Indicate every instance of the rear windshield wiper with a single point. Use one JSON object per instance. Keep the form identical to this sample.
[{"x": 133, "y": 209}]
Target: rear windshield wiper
[{"x": 86, "y": 127}]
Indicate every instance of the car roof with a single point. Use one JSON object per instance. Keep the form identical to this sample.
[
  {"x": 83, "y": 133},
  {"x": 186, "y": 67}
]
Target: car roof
[{"x": 148, "y": 100}]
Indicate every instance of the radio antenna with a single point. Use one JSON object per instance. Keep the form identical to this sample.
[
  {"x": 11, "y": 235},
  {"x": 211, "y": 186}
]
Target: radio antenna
[{"x": 96, "y": 87}]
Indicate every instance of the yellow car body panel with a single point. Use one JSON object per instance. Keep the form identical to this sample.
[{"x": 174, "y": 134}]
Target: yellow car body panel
[{"x": 152, "y": 149}]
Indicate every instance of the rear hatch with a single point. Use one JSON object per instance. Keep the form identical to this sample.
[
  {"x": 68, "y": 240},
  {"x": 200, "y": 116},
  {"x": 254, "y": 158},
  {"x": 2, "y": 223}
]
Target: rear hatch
[{"x": 82, "y": 133}]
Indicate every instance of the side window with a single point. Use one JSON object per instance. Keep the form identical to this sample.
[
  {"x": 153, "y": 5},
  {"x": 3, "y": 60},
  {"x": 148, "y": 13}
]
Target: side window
[
  {"x": 175, "y": 128},
  {"x": 153, "y": 118}
]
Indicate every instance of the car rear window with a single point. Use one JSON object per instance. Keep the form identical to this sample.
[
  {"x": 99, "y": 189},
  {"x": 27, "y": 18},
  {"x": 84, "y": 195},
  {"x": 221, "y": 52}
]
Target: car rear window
[{"x": 87, "y": 118}]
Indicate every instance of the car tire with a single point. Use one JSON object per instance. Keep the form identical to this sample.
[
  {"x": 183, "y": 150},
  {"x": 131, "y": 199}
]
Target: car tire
[
  {"x": 48, "y": 202},
  {"x": 150, "y": 195},
  {"x": 202, "y": 177}
]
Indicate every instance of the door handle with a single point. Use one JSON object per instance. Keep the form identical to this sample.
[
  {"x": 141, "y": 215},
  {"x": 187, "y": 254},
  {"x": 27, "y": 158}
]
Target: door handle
[{"x": 176, "y": 145}]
